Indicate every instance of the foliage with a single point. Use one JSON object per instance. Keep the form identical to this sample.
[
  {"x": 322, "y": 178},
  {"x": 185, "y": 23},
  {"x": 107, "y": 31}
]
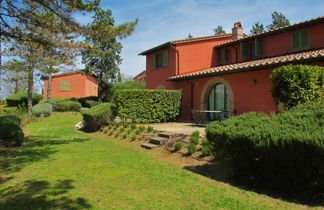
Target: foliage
[
  {"x": 278, "y": 152},
  {"x": 102, "y": 57},
  {"x": 219, "y": 30},
  {"x": 195, "y": 133},
  {"x": 189, "y": 36},
  {"x": 141, "y": 128},
  {"x": 11, "y": 134},
  {"x": 21, "y": 99},
  {"x": 296, "y": 84},
  {"x": 44, "y": 110},
  {"x": 66, "y": 106},
  {"x": 133, "y": 138},
  {"x": 205, "y": 142},
  {"x": 149, "y": 129},
  {"x": 129, "y": 85},
  {"x": 257, "y": 28},
  {"x": 178, "y": 145},
  {"x": 191, "y": 148},
  {"x": 124, "y": 136},
  {"x": 148, "y": 105},
  {"x": 205, "y": 151},
  {"x": 88, "y": 101},
  {"x": 98, "y": 116},
  {"x": 278, "y": 20},
  {"x": 194, "y": 140}
]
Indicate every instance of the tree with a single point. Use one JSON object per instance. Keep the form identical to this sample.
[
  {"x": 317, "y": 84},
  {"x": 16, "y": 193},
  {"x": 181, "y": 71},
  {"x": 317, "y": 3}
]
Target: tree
[
  {"x": 15, "y": 12},
  {"x": 102, "y": 57},
  {"x": 219, "y": 30},
  {"x": 297, "y": 84},
  {"x": 189, "y": 36},
  {"x": 257, "y": 28},
  {"x": 278, "y": 20}
]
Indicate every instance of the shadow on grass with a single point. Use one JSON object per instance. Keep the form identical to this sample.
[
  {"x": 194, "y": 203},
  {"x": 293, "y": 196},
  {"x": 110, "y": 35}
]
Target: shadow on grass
[
  {"x": 35, "y": 194},
  {"x": 223, "y": 172},
  {"x": 35, "y": 148}
]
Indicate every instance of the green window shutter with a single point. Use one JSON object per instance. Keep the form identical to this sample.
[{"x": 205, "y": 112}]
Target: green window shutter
[
  {"x": 221, "y": 56},
  {"x": 153, "y": 61},
  {"x": 65, "y": 85},
  {"x": 258, "y": 48},
  {"x": 304, "y": 40},
  {"x": 165, "y": 58},
  {"x": 244, "y": 50},
  {"x": 295, "y": 41}
]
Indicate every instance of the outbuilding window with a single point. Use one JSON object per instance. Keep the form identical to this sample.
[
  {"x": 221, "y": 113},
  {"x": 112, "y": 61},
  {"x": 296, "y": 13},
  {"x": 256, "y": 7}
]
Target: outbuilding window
[{"x": 65, "y": 85}]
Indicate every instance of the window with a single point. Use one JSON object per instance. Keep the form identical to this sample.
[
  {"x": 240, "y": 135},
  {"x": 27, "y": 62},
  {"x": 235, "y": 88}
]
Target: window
[
  {"x": 224, "y": 56},
  {"x": 65, "y": 85},
  {"x": 245, "y": 51},
  {"x": 251, "y": 50},
  {"x": 300, "y": 40},
  {"x": 258, "y": 48},
  {"x": 160, "y": 60},
  {"x": 218, "y": 100}
]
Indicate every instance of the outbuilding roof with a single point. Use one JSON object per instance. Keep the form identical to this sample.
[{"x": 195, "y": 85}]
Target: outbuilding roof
[
  {"x": 182, "y": 41},
  {"x": 313, "y": 55}
]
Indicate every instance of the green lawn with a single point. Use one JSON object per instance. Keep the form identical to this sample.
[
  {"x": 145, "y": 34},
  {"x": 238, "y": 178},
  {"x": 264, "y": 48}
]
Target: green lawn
[{"x": 62, "y": 168}]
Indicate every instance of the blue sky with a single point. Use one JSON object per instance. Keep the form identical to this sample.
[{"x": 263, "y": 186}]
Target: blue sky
[{"x": 164, "y": 20}]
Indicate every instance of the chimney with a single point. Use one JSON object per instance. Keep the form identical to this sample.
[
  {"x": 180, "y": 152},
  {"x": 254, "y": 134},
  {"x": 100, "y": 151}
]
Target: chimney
[{"x": 237, "y": 31}]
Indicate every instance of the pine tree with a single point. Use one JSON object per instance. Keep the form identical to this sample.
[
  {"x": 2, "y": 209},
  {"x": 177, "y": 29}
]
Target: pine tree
[
  {"x": 219, "y": 30},
  {"x": 278, "y": 20},
  {"x": 257, "y": 28},
  {"x": 102, "y": 57}
]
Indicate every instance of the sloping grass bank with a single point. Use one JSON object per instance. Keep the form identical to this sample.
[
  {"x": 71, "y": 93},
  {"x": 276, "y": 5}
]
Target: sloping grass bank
[{"x": 59, "y": 167}]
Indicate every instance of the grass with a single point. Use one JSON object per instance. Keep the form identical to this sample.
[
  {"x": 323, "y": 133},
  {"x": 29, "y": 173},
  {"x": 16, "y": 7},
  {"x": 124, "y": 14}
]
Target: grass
[{"x": 61, "y": 168}]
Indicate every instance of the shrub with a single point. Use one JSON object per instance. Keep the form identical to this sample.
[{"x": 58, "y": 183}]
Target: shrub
[
  {"x": 128, "y": 132},
  {"x": 91, "y": 103},
  {"x": 121, "y": 129},
  {"x": 191, "y": 148},
  {"x": 141, "y": 128},
  {"x": 133, "y": 126},
  {"x": 205, "y": 151},
  {"x": 205, "y": 142},
  {"x": 278, "y": 152},
  {"x": 195, "y": 133},
  {"x": 110, "y": 133},
  {"x": 129, "y": 85},
  {"x": 137, "y": 132},
  {"x": 148, "y": 105},
  {"x": 67, "y": 106},
  {"x": 88, "y": 102},
  {"x": 11, "y": 133},
  {"x": 177, "y": 146},
  {"x": 44, "y": 109},
  {"x": 133, "y": 138},
  {"x": 149, "y": 129},
  {"x": 124, "y": 136},
  {"x": 194, "y": 140},
  {"x": 116, "y": 135},
  {"x": 98, "y": 116},
  {"x": 125, "y": 125},
  {"x": 21, "y": 99},
  {"x": 296, "y": 84}
]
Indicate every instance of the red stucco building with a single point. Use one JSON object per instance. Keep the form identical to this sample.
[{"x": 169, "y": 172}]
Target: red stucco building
[
  {"x": 72, "y": 84},
  {"x": 230, "y": 72}
]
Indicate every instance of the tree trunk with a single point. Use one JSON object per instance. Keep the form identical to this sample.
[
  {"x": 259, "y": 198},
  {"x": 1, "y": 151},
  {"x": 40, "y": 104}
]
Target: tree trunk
[
  {"x": 49, "y": 88},
  {"x": 100, "y": 88},
  {"x": 30, "y": 91},
  {"x": 16, "y": 86}
]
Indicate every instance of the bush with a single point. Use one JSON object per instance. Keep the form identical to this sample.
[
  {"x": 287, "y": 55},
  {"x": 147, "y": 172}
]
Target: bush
[
  {"x": 149, "y": 129},
  {"x": 205, "y": 142},
  {"x": 141, "y": 128},
  {"x": 148, "y": 105},
  {"x": 278, "y": 152},
  {"x": 194, "y": 140},
  {"x": 133, "y": 126},
  {"x": 21, "y": 99},
  {"x": 11, "y": 133},
  {"x": 297, "y": 84},
  {"x": 98, "y": 116},
  {"x": 191, "y": 148},
  {"x": 124, "y": 136},
  {"x": 44, "y": 110},
  {"x": 67, "y": 106},
  {"x": 205, "y": 151},
  {"x": 195, "y": 133},
  {"x": 177, "y": 146},
  {"x": 110, "y": 133},
  {"x": 133, "y": 138},
  {"x": 88, "y": 102}
]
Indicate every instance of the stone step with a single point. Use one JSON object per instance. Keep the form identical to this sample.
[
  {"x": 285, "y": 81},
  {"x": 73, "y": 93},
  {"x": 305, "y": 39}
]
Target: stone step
[
  {"x": 148, "y": 146},
  {"x": 165, "y": 135},
  {"x": 158, "y": 140}
]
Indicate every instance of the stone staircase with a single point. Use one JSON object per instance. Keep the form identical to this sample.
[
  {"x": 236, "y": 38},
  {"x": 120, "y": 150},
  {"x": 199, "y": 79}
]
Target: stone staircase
[{"x": 157, "y": 141}]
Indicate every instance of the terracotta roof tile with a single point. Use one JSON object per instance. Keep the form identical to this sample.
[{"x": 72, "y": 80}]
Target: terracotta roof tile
[
  {"x": 182, "y": 41},
  {"x": 254, "y": 64},
  {"x": 276, "y": 30}
]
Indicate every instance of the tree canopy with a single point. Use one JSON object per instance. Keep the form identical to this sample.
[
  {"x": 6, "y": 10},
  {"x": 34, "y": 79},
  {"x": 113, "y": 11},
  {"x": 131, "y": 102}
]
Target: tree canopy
[
  {"x": 257, "y": 28},
  {"x": 278, "y": 20},
  {"x": 219, "y": 30}
]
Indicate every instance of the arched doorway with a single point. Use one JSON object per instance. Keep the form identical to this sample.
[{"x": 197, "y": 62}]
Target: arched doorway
[{"x": 219, "y": 99}]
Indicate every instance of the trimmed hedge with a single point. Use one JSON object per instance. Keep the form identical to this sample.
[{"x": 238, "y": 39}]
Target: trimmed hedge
[
  {"x": 297, "y": 84},
  {"x": 66, "y": 106},
  {"x": 85, "y": 101},
  {"x": 44, "y": 110},
  {"x": 21, "y": 98},
  {"x": 148, "y": 105},
  {"x": 11, "y": 133},
  {"x": 282, "y": 152},
  {"x": 98, "y": 116}
]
